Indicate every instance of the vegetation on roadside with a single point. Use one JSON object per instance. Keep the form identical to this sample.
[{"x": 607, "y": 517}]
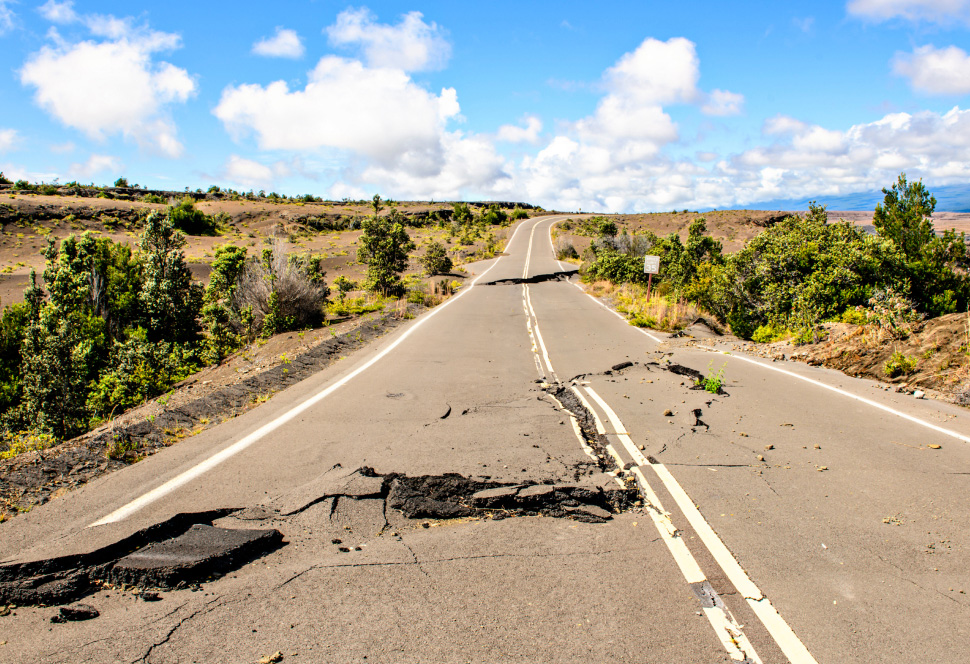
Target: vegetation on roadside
[{"x": 797, "y": 273}]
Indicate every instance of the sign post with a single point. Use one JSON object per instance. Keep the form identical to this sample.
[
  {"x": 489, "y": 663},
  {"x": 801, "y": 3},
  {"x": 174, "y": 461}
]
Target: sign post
[{"x": 651, "y": 266}]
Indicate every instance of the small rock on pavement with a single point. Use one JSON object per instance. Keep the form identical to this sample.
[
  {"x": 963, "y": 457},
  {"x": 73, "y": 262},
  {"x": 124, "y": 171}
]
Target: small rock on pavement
[
  {"x": 934, "y": 446},
  {"x": 769, "y": 447},
  {"x": 668, "y": 413},
  {"x": 919, "y": 394},
  {"x": 76, "y": 612},
  {"x": 761, "y": 457},
  {"x": 271, "y": 659}
]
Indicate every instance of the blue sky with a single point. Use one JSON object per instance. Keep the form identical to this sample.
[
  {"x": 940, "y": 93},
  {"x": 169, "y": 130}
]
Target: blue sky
[{"x": 612, "y": 106}]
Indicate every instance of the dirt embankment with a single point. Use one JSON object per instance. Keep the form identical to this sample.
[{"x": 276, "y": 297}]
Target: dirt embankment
[
  {"x": 208, "y": 398},
  {"x": 933, "y": 357}
]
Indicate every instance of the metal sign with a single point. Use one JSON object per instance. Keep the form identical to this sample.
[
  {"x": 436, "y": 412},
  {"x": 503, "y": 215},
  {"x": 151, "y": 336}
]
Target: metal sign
[{"x": 651, "y": 264}]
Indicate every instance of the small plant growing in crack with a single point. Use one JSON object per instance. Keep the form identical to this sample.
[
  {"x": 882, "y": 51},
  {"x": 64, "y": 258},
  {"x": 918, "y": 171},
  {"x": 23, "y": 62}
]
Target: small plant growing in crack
[{"x": 712, "y": 383}]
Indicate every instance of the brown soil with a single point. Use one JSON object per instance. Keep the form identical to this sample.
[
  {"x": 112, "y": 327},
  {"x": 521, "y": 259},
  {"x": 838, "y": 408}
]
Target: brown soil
[
  {"x": 938, "y": 346},
  {"x": 27, "y": 220}
]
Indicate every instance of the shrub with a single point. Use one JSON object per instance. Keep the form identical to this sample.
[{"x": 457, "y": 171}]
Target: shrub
[
  {"x": 122, "y": 183},
  {"x": 565, "y": 250},
  {"x": 4, "y": 180},
  {"x": 436, "y": 259},
  {"x": 517, "y": 213},
  {"x": 899, "y": 365},
  {"x": 279, "y": 289},
  {"x": 23, "y": 185},
  {"x": 191, "y": 221},
  {"x": 384, "y": 247}
]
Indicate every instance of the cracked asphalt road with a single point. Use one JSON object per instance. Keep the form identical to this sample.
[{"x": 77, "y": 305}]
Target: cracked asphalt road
[{"x": 848, "y": 523}]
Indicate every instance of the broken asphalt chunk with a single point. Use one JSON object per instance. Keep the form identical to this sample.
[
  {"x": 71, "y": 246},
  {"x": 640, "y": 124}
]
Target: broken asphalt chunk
[
  {"x": 191, "y": 557},
  {"x": 75, "y": 613}
]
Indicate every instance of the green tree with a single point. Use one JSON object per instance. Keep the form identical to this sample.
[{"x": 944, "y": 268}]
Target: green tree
[
  {"x": 935, "y": 265},
  {"x": 121, "y": 182},
  {"x": 172, "y": 302},
  {"x": 384, "y": 247},
  {"x": 436, "y": 259},
  {"x": 190, "y": 220}
]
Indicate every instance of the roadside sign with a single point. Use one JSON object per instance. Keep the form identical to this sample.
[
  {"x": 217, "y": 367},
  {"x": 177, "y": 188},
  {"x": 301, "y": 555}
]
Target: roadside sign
[{"x": 651, "y": 264}]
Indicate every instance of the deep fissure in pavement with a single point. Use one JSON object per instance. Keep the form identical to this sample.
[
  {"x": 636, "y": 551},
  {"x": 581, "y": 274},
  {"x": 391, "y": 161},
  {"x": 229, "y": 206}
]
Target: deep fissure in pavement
[
  {"x": 186, "y": 550},
  {"x": 534, "y": 279}
]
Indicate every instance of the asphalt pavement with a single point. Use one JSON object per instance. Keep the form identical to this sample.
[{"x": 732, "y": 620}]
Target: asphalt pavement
[{"x": 798, "y": 515}]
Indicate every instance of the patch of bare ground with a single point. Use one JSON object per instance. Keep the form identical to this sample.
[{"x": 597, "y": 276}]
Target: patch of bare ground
[
  {"x": 935, "y": 354},
  {"x": 28, "y": 220}
]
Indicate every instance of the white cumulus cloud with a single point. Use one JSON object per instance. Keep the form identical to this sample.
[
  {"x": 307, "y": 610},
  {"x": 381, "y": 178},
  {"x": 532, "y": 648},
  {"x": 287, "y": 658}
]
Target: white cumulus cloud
[
  {"x": 516, "y": 134},
  {"x": 722, "y": 102},
  {"x": 96, "y": 163},
  {"x": 933, "y": 70},
  {"x": 379, "y": 113},
  {"x": 59, "y": 12},
  {"x": 6, "y": 17},
  {"x": 284, "y": 44},
  {"x": 112, "y": 86},
  {"x": 411, "y": 45},
  {"x": 8, "y": 139},
  {"x": 936, "y": 11}
]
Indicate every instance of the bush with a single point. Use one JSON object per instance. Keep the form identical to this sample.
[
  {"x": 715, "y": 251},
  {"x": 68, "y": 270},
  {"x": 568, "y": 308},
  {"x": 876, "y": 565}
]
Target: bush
[
  {"x": 436, "y": 259},
  {"x": 899, "y": 365},
  {"x": 279, "y": 292},
  {"x": 614, "y": 267},
  {"x": 4, "y": 180},
  {"x": 23, "y": 185},
  {"x": 384, "y": 247},
  {"x": 122, "y": 183},
  {"x": 565, "y": 250},
  {"x": 191, "y": 221},
  {"x": 517, "y": 213}
]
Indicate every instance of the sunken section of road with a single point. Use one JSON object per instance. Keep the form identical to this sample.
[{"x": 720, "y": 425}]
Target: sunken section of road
[
  {"x": 534, "y": 279},
  {"x": 188, "y": 549}
]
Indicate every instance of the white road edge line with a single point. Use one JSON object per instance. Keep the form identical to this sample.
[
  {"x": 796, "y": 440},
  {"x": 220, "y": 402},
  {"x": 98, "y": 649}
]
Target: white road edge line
[
  {"x": 780, "y": 631},
  {"x": 200, "y": 469},
  {"x": 870, "y": 402},
  {"x": 612, "y": 311}
]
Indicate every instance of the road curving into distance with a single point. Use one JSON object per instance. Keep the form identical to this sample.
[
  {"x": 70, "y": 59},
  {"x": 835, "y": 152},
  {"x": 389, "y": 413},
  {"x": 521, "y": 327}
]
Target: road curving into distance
[{"x": 520, "y": 476}]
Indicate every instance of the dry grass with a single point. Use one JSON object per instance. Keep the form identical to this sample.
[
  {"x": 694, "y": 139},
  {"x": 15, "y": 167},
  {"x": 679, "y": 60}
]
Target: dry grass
[{"x": 659, "y": 313}]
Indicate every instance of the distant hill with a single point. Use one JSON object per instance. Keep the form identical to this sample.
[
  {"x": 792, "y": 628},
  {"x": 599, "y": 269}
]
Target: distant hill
[{"x": 949, "y": 198}]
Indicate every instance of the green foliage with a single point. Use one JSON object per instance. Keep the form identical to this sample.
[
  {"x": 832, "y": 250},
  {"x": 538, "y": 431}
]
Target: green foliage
[
  {"x": 122, "y": 182},
  {"x": 190, "y": 220},
  {"x": 436, "y": 259},
  {"x": 900, "y": 365},
  {"x": 495, "y": 216},
  {"x": 798, "y": 273},
  {"x": 517, "y": 213},
  {"x": 462, "y": 213},
  {"x": 23, "y": 185},
  {"x": 13, "y": 325},
  {"x": 171, "y": 301},
  {"x": 344, "y": 286},
  {"x": 714, "y": 380},
  {"x": 933, "y": 265},
  {"x": 276, "y": 320},
  {"x": 614, "y": 267},
  {"x": 4, "y": 180},
  {"x": 139, "y": 370},
  {"x": 607, "y": 228},
  {"x": 384, "y": 247},
  {"x": 226, "y": 267},
  {"x": 769, "y": 333}
]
